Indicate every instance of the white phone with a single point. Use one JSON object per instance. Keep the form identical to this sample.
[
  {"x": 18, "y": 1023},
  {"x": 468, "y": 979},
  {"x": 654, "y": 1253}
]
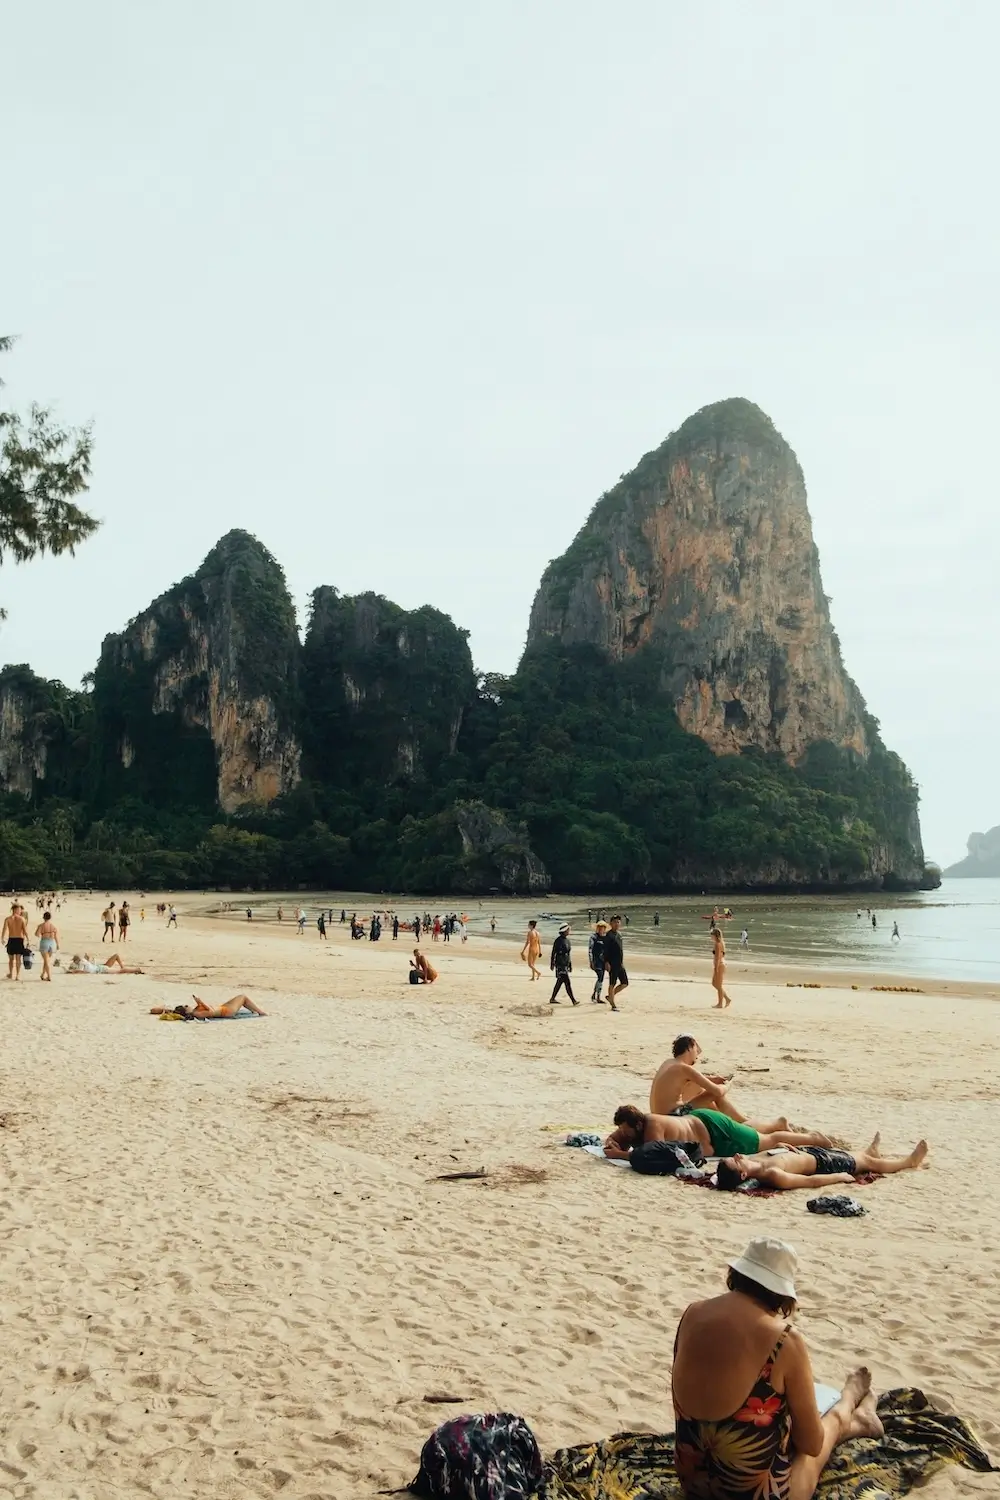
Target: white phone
[{"x": 826, "y": 1396}]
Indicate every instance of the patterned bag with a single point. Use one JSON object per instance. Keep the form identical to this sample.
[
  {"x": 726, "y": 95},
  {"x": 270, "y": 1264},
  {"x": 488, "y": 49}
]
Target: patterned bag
[{"x": 489, "y": 1457}]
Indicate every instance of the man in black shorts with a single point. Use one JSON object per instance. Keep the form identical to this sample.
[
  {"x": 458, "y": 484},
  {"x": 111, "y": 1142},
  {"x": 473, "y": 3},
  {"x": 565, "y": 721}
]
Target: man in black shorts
[
  {"x": 816, "y": 1167},
  {"x": 614, "y": 961}
]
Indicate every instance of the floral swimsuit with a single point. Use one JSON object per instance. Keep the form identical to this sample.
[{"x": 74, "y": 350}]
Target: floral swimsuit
[{"x": 742, "y": 1457}]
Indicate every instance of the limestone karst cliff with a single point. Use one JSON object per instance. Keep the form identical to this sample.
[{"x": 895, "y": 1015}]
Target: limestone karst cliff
[
  {"x": 983, "y": 858},
  {"x": 704, "y": 555},
  {"x": 196, "y": 698},
  {"x": 387, "y": 688}
]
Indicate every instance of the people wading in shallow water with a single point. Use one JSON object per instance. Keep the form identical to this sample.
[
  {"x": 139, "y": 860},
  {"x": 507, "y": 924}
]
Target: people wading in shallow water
[
  {"x": 719, "y": 969},
  {"x": 532, "y": 950}
]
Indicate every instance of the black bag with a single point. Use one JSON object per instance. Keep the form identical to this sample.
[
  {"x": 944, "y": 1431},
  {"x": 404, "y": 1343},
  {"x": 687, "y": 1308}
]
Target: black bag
[
  {"x": 414, "y": 977},
  {"x": 663, "y": 1158},
  {"x": 490, "y": 1457}
]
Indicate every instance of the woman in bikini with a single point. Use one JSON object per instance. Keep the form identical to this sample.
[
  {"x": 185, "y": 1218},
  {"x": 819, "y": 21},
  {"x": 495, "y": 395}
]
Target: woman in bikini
[
  {"x": 202, "y": 1012},
  {"x": 719, "y": 968},
  {"x": 746, "y": 1418},
  {"x": 47, "y": 934}
]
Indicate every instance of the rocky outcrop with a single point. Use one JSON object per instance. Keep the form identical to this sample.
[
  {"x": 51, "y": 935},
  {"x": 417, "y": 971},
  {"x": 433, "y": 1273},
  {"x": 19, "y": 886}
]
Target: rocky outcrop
[
  {"x": 207, "y": 675},
  {"x": 983, "y": 858},
  {"x": 386, "y": 689},
  {"x": 495, "y": 851},
  {"x": 704, "y": 556},
  {"x": 23, "y": 742}
]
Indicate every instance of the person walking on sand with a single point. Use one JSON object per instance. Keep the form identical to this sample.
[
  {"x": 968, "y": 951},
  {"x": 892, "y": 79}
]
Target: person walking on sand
[
  {"x": 172, "y": 919},
  {"x": 15, "y": 935},
  {"x": 719, "y": 969},
  {"x": 124, "y": 919},
  {"x": 614, "y": 961},
  {"x": 321, "y": 925},
  {"x": 561, "y": 963},
  {"x": 108, "y": 918},
  {"x": 738, "y": 1354},
  {"x": 595, "y": 957},
  {"x": 47, "y": 934},
  {"x": 532, "y": 950}
]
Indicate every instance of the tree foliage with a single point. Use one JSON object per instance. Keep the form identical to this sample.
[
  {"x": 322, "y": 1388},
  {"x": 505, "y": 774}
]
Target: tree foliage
[{"x": 43, "y": 467}]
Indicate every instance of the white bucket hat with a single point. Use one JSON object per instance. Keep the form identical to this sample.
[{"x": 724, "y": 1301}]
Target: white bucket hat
[{"x": 770, "y": 1263}]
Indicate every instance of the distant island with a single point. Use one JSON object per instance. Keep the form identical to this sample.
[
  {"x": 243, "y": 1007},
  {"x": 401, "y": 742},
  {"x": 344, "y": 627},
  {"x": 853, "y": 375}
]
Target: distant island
[
  {"x": 982, "y": 859},
  {"x": 681, "y": 720}
]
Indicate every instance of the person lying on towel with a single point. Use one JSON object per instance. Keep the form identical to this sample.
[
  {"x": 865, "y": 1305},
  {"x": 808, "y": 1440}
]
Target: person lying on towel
[
  {"x": 716, "y": 1133},
  {"x": 202, "y": 1012},
  {"x": 813, "y": 1169}
]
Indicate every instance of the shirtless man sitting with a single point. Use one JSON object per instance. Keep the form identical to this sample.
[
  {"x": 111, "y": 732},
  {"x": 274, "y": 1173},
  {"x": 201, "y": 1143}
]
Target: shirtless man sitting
[
  {"x": 202, "y": 1012},
  {"x": 678, "y": 1088},
  {"x": 716, "y": 1134},
  {"x": 815, "y": 1168},
  {"x": 88, "y": 965}
]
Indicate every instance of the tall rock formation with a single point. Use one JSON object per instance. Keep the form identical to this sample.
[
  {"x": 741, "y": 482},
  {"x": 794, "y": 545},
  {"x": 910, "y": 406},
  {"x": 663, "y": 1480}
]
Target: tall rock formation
[
  {"x": 983, "y": 858},
  {"x": 43, "y": 734},
  {"x": 386, "y": 689},
  {"x": 196, "y": 699},
  {"x": 704, "y": 554}
]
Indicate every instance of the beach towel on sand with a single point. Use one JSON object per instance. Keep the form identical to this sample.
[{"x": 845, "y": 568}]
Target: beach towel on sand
[{"x": 640, "y": 1466}]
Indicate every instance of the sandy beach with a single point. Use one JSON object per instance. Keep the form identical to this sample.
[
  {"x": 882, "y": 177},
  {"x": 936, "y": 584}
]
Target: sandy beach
[{"x": 228, "y": 1270}]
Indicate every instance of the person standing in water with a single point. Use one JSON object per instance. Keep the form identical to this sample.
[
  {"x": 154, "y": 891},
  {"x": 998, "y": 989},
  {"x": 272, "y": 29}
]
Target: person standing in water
[
  {"x": 895, "y": 932},
  {"x": 874, "y": 922},
  {"x": 719, "y": 969},
  {"x": 532, "y": 950},
  {"x": 744, "y": 939}
]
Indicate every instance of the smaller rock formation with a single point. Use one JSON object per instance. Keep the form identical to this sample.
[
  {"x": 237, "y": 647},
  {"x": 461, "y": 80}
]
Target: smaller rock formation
[
  {"x": 496, "y": 852},
  {"x": 42, "y": 726},
  {"x": 203, "y": 681},
  {"x": 386, "y": 689},
  {"x": 983, "y": 858}
]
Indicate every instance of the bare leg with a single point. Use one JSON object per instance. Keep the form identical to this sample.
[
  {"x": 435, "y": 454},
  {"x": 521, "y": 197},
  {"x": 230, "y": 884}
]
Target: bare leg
[
  {"x": 873, "y": 1161},
  {"x": 853, "y": 1416},
  {"x": 114, "y": 961},
  {"x": 793, "y": 1138},
  {"x": 240, "y": 1002}
]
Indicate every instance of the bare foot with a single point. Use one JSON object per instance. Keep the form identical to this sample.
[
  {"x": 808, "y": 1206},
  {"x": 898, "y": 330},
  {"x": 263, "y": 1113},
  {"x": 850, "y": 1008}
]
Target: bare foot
[
  {"x": 918, "y": 1153},
  {"x": 866, "y": 1421},
  {"x": 856, "y": 1387},
  {"x": 873, "y": 1149}
]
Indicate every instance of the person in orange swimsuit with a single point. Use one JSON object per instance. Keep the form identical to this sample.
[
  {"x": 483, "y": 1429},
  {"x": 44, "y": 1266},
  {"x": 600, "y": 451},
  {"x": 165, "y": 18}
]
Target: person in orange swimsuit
[
  {"x": 746, "y": 1419},
  {"x": 532, "y": 950}
]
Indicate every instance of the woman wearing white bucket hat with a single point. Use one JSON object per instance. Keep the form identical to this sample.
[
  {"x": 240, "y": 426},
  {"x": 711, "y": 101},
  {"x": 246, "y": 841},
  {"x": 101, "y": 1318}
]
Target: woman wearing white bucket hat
[{"x": 747, "y": 1422}]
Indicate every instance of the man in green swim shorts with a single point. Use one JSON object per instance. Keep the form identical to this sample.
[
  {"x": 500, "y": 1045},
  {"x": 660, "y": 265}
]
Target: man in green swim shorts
[{"x": 716, "y": 1134}]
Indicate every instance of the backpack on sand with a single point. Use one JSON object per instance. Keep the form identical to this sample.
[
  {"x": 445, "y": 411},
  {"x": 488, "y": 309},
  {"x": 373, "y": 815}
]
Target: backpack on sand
[
  {"x": 662, "y": 1158},
  {"x": 487, "y": 1457}
]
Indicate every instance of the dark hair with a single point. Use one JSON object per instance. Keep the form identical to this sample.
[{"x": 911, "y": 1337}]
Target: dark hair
[
  {"x": 46, "y": 916},
  {"x": 631, "y": 1115},
  {"x": 727, "y": 1178},
  {"x": 773, "y": 1301},
  {"x": 683, "y": 1044}
]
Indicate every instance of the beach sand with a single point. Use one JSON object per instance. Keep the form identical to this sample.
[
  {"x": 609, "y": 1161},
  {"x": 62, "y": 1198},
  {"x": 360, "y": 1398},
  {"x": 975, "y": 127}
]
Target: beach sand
[{"x": 228, "y": 1270}]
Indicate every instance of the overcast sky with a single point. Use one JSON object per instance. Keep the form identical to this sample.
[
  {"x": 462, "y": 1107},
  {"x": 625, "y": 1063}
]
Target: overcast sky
[{"x": 401, "y": 288}]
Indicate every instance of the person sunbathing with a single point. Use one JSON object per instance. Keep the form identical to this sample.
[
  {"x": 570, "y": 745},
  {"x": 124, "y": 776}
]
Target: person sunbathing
[
  {"x": 746, "y": 1419},
  {"x": 202, "y": 1012},
  {"x": 87, "y": 965},
  {"x": 713, "y": 1132},
  {"x": 678, "y": 1088},
  {"x": 814, "y": 1168}
]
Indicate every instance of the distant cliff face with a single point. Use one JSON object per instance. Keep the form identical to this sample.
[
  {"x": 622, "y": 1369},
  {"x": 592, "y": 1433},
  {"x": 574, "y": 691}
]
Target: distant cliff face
[
  {"x": 385, "y": 688},
  {"x": 201, "y": 686},
  {"x": 704, "y": 555},
  {"x": 983, "y": 858}
]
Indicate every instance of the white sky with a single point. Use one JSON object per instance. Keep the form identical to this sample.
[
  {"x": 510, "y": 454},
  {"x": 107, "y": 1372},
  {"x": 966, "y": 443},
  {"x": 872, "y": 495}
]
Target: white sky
[{"x": 402, "y": 288}]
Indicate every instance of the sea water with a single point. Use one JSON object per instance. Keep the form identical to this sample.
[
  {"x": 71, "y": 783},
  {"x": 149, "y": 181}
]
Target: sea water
[{"x": 952, "y": 933}]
